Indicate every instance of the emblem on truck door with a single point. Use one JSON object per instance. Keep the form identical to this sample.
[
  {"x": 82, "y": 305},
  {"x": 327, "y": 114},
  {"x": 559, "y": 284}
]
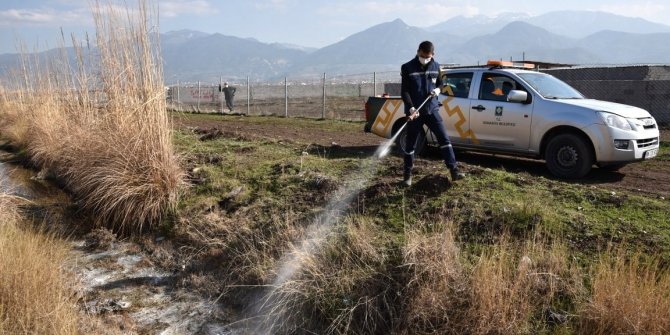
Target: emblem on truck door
[{"x": 499, "y": 111}]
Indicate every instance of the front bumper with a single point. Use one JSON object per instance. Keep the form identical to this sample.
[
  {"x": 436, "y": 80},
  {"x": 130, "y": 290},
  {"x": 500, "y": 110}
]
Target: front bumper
[{"x": 642, "y": 144}]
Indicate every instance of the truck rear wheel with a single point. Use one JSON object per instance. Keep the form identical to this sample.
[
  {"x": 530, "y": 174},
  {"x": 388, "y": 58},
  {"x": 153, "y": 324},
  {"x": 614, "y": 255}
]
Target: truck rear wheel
[
  {"x": 401, "y": 140},
  {"x": 568, "y": 156}
]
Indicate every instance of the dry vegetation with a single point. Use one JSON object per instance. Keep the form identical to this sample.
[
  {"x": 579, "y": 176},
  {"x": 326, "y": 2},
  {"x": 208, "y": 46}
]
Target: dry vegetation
[
  {"x": 35, "y": 292},
  {"x": 631, "y": 295},
  {"x": 100, "y": 124}
]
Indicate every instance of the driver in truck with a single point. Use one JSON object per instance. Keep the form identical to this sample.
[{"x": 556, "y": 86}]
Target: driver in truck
[{"x": 421, "y": 81}]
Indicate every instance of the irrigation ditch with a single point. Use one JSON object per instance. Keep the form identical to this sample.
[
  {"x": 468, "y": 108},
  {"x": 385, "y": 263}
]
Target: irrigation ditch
[{"x": 119, "y": 287}]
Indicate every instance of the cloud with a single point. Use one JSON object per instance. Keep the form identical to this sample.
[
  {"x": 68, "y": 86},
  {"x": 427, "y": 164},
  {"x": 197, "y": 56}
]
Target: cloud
[
  {"x": 44, "y": 17},
  {"x": 414, "y": 13},
  {"x": 73, "y": 3},
  {"x": 272, "y": 4},
  {"x": 175, "y": 8},
  {"x": 649, "y": 10}
]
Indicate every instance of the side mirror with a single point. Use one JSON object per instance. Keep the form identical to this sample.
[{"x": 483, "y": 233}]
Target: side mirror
[{"x": 517, "y": 96}]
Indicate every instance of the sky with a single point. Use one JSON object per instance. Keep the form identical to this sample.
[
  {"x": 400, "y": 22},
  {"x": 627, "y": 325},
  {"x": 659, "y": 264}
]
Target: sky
[{"x": 311, "y": 23}]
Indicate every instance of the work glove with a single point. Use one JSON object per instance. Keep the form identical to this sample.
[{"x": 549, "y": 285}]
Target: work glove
[
  {"x": 436, "y": 92},
  {"x": 413, "y": 114}
]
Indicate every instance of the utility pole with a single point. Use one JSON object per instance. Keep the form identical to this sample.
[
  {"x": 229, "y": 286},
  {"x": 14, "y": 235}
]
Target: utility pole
[
  {"x": 374, "y": 84},
  {"x": 248, "y": 96},
  {"x": 323, "y": 110}
]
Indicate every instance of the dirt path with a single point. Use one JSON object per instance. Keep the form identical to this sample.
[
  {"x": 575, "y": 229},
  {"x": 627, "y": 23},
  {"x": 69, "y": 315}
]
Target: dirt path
[
  {"x": 250, "y": 128},
  {"x": 651, "y": 177}
]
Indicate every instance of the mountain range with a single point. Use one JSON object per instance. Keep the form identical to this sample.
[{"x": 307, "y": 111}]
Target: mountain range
[{"x": 569, "y": 37}]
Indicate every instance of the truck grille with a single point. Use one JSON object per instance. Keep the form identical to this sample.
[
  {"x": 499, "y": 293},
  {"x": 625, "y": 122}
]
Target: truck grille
[
  {"x": 648, "y": 123},
  {"x": 649, "y": 142}
]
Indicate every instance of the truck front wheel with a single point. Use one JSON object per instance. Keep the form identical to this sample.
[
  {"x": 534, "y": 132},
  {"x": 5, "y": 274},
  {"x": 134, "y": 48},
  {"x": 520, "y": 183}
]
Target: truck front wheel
[{"x": 568, "y": 156}]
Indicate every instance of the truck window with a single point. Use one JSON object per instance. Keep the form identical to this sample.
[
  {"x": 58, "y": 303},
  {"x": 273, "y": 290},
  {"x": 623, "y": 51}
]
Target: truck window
[
  {"x": 457, "y": 84},
  {"x": 550, "y": 87},
  {"x": 496, "y": 87}
]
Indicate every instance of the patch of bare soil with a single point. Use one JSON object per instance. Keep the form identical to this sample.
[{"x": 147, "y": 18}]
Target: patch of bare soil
[
  {"x": 431, "y": 185},
  {"x": 247, "y": 129},
  {"x": 649, "y": 179}
]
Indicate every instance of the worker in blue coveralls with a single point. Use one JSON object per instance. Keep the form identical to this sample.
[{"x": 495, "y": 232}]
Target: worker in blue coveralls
[{"x": 421, "y": 80}]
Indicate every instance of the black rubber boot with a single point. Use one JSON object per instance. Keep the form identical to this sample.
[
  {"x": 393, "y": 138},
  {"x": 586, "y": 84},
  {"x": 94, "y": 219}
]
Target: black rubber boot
[
  {"x": 407, "y": 179},
  {"x": 455, "y": 175}
]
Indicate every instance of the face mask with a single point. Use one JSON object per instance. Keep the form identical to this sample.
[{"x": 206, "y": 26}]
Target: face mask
[{"x": 424, "y": 61}]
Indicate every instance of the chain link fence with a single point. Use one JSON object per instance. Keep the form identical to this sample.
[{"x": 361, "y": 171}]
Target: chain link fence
[
  {"x": 339, "y": 97},
  {"x": 644, "y": 86},
  {"x": 343, "y": 96}
]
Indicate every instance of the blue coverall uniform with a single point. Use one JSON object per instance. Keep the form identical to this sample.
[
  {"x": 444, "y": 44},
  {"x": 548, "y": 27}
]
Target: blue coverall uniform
[{"x": 418, "y": 81}]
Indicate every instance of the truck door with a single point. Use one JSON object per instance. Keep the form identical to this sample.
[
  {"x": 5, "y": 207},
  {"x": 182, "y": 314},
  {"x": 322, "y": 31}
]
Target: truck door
[
  {"x": 455, "y": 106},
  {"x": 496, "y": 122}
]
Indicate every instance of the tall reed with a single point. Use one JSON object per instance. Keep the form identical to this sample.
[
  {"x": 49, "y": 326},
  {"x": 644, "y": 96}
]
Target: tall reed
[{"x": 95, "y": 116}]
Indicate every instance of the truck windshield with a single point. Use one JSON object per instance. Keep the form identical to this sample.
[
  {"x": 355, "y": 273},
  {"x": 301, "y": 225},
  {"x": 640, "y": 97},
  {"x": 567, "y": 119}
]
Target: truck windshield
[{"x": 550, "y": 87}]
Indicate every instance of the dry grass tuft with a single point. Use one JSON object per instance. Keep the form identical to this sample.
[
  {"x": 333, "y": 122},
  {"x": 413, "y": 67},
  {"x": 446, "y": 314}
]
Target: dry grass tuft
[
  {"x": 437, "y": 284},
  {"x": 507, "y": 288},
  {"x": 341, "y": 284},
  {"x": 501, "y": 294},
  {"x": 34, "y": 298},
  {"x": 630, "y": 295},
  {"x": 100, "y": 122},
  {"x": 511, "y": 284}
]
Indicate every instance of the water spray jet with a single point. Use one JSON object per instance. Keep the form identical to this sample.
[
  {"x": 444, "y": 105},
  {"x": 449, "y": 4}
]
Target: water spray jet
[
  {"x": 385, "y": 148},
  {"x": 268, "y": 311}
]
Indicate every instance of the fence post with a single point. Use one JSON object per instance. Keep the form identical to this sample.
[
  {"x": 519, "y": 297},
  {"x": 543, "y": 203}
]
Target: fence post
[
  {"x": 198, "y": 104},
  {"x": 248, "y": 96},
  {"x": 323, "y": 110},
  {"x": 219, "y": 94},
  {"x": 285, "y": 97},
  {"x": 374, "y": 84},
  {"x": 178, "y": 100}
]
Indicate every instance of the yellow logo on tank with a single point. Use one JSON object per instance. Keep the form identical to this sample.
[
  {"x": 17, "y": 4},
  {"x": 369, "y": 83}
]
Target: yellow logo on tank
[{"x": 385, "y": 118}]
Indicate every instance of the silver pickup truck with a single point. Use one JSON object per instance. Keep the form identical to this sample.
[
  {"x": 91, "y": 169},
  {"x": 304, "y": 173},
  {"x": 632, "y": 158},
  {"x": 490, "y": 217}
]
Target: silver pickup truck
[{"x": 504, "y": 108}]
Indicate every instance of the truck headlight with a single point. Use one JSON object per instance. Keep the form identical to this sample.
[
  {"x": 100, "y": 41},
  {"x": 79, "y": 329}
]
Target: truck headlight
[
  {"x": 621, "y": 144},
  {"x": 615, "y": 121}
]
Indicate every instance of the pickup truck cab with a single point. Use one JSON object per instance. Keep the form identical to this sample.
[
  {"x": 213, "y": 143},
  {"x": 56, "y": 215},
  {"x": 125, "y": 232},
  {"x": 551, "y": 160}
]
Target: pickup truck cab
[{"x": 508, "y": 108}]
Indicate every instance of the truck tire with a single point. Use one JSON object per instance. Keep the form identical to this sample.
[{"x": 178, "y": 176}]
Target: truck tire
[
  {"x": 568, "y": 156},
  {"x": 402, "y": 139}
]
